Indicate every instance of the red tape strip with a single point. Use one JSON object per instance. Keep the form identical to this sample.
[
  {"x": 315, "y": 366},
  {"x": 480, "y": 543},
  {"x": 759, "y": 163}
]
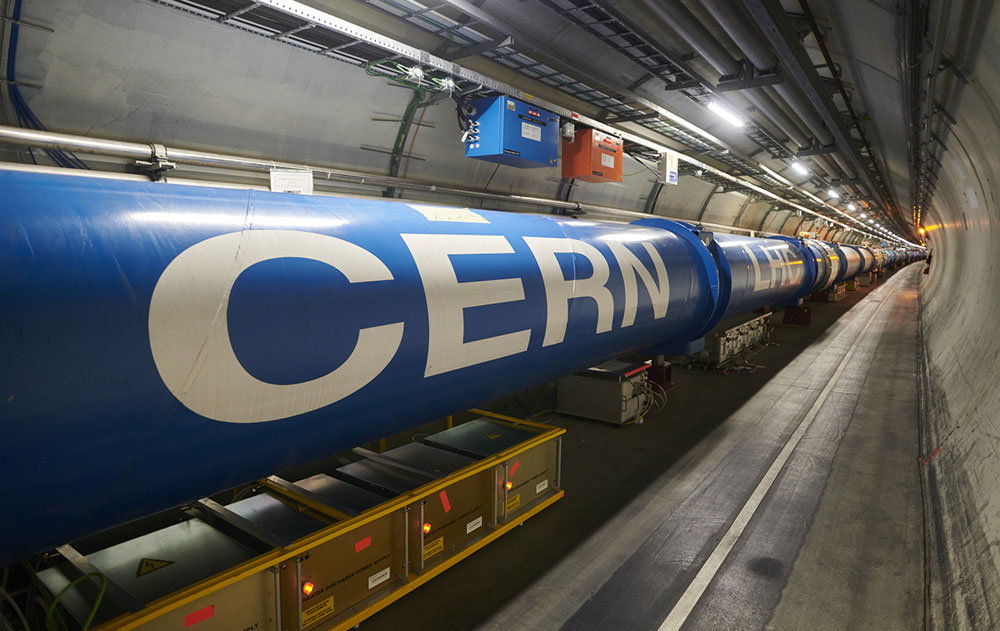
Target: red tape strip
[
  {"x": 364, "y": 543},
  {"x": 444, "y": 501},
  {"x": 195, "y": 617}
]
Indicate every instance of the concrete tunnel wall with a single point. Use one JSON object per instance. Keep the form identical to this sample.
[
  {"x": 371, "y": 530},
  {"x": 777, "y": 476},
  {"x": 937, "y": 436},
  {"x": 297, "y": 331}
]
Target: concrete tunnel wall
[{"x": 960, "y": 309}]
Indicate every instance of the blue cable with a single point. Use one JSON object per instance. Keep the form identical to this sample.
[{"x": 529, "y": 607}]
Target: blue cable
[{"x": 25, "y": 117}]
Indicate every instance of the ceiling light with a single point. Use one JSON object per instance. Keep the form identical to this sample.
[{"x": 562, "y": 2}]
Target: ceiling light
[
  {"x": 851, "y": 207},
  {"x": 864, "y": 216},
  {"x": 774, "y": 174},
  {"x": 725, "y": 114},
  {"x": 832, "y": 193},
  {"x": 801, "y": 168},
  {"x": 871, "y": 221}
]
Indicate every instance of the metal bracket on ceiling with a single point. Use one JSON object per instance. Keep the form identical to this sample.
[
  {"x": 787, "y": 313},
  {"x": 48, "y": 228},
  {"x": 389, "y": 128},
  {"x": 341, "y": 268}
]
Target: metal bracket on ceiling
[
  {"x": 454, "y": 54},
  {"x": 801, "y": 25},
  {"x": 815, "y": 151},
  {"x": 683, "y": 85},
  {"x": 749, "y": 77},
  {"x": 944, "y": 112},
  {"x": 948, "y": 64},
  {"x": 637, "y": 116},
  {"x": 157, "y": 166}
]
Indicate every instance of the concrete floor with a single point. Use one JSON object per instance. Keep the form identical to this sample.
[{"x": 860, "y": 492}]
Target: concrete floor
[{"x": 786, "y": 499}]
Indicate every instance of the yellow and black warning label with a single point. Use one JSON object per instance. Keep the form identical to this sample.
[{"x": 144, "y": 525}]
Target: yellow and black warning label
[
  {"x": 513, "y": 502},
  {"x": 317, "y": 612},
  {"x": 148, "y": 566},
  {"x": 432, "y": 548}
]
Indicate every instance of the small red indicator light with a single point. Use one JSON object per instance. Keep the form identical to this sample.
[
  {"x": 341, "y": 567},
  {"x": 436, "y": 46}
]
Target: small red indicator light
[
  {"x": 510, "y": 485},
  {"x": 307, "y": 588},
  {"x": 427, "y": 528}
]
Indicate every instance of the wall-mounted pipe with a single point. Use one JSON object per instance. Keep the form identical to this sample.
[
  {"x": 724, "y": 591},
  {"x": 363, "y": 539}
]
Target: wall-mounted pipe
[{"x": 147, "y": 152}]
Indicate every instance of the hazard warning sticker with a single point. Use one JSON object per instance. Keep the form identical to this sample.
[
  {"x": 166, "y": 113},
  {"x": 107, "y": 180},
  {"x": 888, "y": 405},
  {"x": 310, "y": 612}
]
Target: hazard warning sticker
[
  {"x": 317, "y": 612},
  {"x": 513, "y": 502},
  {"x": 433, "y": 548},
  {"x": 148, "y": 566}
]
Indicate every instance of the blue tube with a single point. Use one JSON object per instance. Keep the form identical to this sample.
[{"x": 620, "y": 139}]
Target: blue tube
[
  {"x": 755, "y": 273},
  {"x": 166, "y": 342}
]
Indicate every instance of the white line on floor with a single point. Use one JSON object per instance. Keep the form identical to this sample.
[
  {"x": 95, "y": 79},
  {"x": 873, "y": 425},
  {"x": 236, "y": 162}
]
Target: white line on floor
[{"x": 679, "y": 614}]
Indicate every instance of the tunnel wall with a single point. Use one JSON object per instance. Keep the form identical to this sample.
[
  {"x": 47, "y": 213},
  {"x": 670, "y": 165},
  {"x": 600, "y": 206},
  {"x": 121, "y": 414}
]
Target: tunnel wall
[{"x": 960, "y": 311}]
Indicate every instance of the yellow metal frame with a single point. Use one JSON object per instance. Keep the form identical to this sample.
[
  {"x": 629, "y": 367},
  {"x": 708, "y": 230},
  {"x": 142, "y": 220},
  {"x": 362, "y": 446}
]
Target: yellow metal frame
[
  {"x": 277, "y": 556},
  {"x": 415, "y": 581}
]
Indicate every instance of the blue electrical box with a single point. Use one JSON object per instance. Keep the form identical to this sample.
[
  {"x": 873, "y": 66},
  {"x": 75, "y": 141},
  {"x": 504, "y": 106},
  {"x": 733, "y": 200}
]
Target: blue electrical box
[{"x": 504, "y": 130}]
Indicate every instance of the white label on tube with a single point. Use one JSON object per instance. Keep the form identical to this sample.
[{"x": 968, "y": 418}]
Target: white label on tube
[{"x": 448, "y": 213}]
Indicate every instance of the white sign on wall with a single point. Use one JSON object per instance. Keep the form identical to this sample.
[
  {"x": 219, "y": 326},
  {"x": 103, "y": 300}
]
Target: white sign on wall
[
  {"x": 291, "y": 181},
  {"x": 668, "y": 167}
]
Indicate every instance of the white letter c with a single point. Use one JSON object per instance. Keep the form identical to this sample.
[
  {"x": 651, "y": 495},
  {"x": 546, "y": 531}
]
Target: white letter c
[{"x": 189, "y": 332}]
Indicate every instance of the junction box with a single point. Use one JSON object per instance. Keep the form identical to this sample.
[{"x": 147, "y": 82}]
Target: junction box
[
  {"x": 593, "y": 156},
  {"x": 511, "y": 132}
]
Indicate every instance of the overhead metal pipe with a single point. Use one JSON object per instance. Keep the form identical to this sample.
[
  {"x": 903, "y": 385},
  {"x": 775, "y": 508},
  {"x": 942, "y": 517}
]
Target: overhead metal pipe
[
  {"x": 687, "y": 26},
  {"x": 760, "y": 54}
]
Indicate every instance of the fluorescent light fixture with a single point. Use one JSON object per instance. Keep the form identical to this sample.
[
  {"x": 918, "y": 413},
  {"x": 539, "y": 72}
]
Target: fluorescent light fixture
[
  {"x": 864, "y": 216},
  {"x": 851, "y": 207},
  {"x": 871, "y": 221},
  {"x": 774, "y": 174},
  {"x": 801, "y": 168},
  {"x": 726, "y": 115},
  {"x": 832, "y": 193}
]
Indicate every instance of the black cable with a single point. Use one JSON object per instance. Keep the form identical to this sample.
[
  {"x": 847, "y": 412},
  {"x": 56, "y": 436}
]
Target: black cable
[{"x": 491, "y": 177}]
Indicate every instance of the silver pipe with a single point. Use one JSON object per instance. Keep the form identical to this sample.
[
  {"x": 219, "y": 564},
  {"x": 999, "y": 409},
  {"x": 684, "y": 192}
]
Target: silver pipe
[
  {"x": 760, "y": 55},
  {"x": 687, "y": 26},
  {"x": 690, "y": 29},
  {"x": 83, "y": 144},
  {"x": 131, "y": 177},
  {"x": 67, "y": 142}
]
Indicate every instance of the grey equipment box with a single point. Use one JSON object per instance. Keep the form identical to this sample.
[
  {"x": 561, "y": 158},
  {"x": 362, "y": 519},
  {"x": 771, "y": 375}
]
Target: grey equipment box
[{"x": 613, "y": 392}]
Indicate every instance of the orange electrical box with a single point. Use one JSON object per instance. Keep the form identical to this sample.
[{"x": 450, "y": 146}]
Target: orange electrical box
[{"x": 593, "y": 156}]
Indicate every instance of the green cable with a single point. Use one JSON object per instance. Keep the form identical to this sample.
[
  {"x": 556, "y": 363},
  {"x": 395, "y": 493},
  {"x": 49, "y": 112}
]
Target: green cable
[{"x": 93, "y": 611}]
